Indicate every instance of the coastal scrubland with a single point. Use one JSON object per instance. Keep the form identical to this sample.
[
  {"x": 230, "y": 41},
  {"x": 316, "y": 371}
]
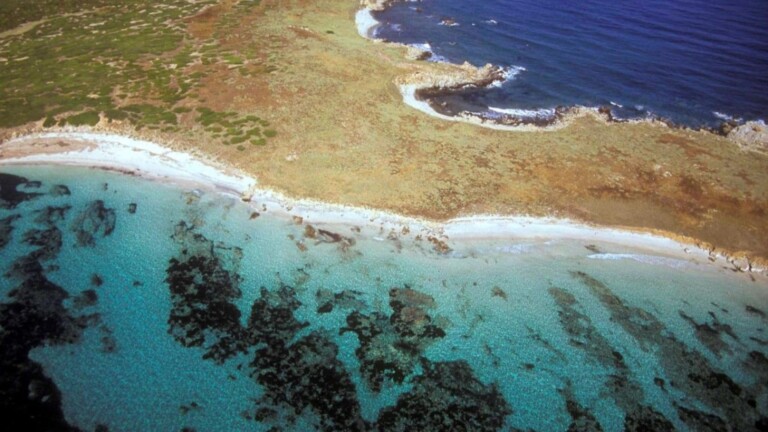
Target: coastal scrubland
[{"x": 290, "y": 93}]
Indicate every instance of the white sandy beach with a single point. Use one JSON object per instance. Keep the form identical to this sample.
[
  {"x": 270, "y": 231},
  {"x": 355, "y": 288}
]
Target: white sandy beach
[{"x": 153, "y": 161}]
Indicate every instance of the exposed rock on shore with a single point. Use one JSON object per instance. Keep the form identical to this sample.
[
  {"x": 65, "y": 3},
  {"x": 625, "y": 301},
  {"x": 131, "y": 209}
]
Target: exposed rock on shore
[
  {"x": 416, "y": 54},
  {"x": 454, "y": 77},
  {"x": 751, "y": 135},
  {"x": 375, "y": 5}
]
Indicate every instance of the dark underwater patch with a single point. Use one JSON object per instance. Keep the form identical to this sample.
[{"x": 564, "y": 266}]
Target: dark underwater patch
[
  {"x": 203, "y": 281},
  {"x": 36, "y": 315},
  {"x": 687, "y": 370},
  {"x": 59, "y": 190},
  {"x": 301, "y": 374},
  {"x": 447, "y": 396},
  {"x": 95, "y": 219},
  {"x": 390, "y": 346},
  {"x": 710, "y": 335},
  {"x": 6, "y": 229},
  {"x": 327, "y": 300},
  {"x": 620, "y": 385},
  {"x": 10, "y": 195},
  {"x": 647, "y": 419},
  {"x": 51, "y": 215},
  {"x": 581, "y": 419}
]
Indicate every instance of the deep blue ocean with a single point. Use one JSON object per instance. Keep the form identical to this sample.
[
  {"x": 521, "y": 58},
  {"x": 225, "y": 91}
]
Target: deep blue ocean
[
  {"x": 130, "y": 305},
  {"x": 681, "y": 60}
]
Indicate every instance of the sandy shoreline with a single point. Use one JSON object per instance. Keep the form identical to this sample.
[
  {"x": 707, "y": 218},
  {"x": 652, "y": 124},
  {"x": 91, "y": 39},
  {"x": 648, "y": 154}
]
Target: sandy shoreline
[{"x": 155, "y": 162}]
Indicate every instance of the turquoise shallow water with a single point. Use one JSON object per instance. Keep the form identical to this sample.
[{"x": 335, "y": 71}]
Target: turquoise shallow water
[{"x": 132, "y": 305}]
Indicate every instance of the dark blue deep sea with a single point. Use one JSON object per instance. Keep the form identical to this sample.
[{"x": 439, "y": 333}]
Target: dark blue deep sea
[{"x": 681, "y": 60}]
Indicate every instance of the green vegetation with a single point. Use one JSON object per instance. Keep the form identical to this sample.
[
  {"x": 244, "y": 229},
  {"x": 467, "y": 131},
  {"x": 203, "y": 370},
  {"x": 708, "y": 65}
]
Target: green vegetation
[
  {"x": 16, "y": 12},
  {"x": 89, "y": 118},
  {"x": 233, "y": 128},
  {"x": 74, "y": 63},
  {"x": 129, "y": 60}
]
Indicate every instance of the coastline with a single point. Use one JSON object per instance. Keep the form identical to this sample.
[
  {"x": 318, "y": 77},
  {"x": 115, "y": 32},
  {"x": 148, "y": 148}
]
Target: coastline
[
  {"x": 750, "y": 135},
  {"x": 367, "y": 149},
  {"x": 152, "y": 161}
]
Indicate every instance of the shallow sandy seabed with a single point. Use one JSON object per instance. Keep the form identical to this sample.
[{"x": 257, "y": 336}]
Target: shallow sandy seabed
[{"x": 344, "y": 135}]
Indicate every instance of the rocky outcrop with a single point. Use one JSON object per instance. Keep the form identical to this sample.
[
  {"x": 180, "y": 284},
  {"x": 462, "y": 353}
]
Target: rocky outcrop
[
  {"x": 375, "y": 5},
  {"x": 417, "y": 54},
  {"x": 455, "y": 77},
  {"x": 95, "y": 220},
  {"x": 390, "y": 346},
  {"x": 751, "y": 135}
]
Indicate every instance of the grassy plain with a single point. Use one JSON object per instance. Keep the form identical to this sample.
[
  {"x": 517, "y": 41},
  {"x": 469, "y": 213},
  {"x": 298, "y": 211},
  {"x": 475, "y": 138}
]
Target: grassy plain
[{"x": 288, "y": 91}]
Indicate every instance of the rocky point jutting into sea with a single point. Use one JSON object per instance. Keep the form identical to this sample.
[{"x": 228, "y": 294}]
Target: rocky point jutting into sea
[{"x": 559, "y": 57}]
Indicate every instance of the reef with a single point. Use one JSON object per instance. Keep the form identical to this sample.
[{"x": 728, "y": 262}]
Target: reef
[
  {"x": 47, "y": 240},
  {"x": 626, "y": 392},
  {"x": 447, "y": 396},
  {"x": 647, "y": 419},
  {"x": 687, "y": 370},
  {"x": 298, "y": 374},
  {"x": 301, "y": 374},
  {"x": 35, "y": 315},
  {"x": 59, "y": 190},
  {"x": 6, "y": 229},
  {"x": 327, "y": 300},
  {"x": 710, "y": 335},
  {"x": 390, "y": 346},
  {"x": 299, "y": 368},
  {"x": 95, "y": 219},
  {"x": 203, "y": 282},
  {"x": 582, "y": 419},
  {"x": 10, "y": 196}
]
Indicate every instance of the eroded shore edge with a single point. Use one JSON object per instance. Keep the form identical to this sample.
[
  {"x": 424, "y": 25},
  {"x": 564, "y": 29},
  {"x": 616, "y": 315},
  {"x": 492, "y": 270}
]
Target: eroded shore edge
[
  {"x": 751, "y": 135},
  {"x": 134, "y": 156}
]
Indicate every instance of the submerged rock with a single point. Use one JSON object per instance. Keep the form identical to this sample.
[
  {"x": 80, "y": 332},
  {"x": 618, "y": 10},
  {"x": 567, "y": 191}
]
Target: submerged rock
[
  {"x": 701, "y": 421},
  {"x": 94, "y": 219},
  {"x": 582, "y": 420},
  {"x": 647, "y": 419},
  {"x": 620, "y": 385},
  {"x": 35, "y": 316},
  {"x": 6, "y": 229},
  {"x": 390, "y": 346},
  {"x": 59, "y": 190},
  {"x": 51, "y": 215},
  {"x": 711, "y": 335},
  {"x": 347, "y": 299},
  {"x": 10, "y": 196},
  {"x": 48, "y": 241},
  {"x": 204, "y": 282},
  {"x": 688, "y": 370},
  {"x": 301, "y": 374},
  {"x": 447, "y": 396}
]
